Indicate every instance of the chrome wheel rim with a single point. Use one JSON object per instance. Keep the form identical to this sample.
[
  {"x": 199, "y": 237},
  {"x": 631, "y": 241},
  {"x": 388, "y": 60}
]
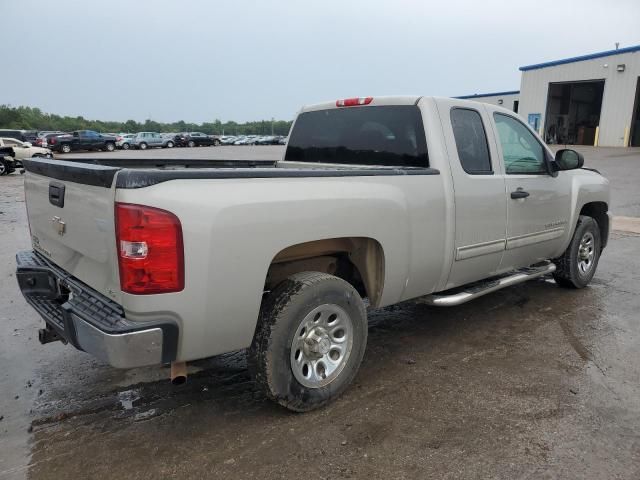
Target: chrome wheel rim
[
  {"x": 586, "y": 253},
  {"x": 321, "y": 346},
  {"x": 66, "y": 148},
  {"x": 3, "y": 168}
]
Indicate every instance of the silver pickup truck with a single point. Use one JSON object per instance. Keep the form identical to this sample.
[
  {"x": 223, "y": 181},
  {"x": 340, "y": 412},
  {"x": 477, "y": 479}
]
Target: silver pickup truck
[{"x": 376, "y": 201}]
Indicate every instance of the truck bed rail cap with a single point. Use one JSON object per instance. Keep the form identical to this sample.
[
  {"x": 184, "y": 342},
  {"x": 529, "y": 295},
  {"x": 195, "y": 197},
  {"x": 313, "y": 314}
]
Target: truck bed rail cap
[{"x": 84, "y": 173}]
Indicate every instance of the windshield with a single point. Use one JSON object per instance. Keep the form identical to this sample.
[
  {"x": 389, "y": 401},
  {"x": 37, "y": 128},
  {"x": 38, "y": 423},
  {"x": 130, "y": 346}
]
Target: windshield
[{"x": 383, "y": 135}]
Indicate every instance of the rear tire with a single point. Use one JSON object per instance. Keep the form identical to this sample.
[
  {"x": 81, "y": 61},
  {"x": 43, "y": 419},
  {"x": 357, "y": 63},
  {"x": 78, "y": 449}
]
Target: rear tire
[
  {"x": 170, "y": 145},
  {"x": 191, "y": 144},
  {"x": 125, "y": 146},
  {"x": 142, "y": 146},
  {"x": 4, "y": 168},
  {"x": 110, "y": 146},
  {"x": 577, "y": 265},
  {"x": 309, "y": 341}
]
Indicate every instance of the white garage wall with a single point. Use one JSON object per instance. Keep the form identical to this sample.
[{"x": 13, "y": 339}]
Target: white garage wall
[{"x": 619, "y": 89}]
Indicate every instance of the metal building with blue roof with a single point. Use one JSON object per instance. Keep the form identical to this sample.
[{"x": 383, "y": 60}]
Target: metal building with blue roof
[
  {"x": 586, "y": 100},
  {"x": 590, "y": 99}
]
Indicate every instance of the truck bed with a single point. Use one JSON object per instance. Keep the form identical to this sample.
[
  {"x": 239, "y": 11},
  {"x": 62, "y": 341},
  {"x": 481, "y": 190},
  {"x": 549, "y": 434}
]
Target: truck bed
[{"x": 139, "y": 173}]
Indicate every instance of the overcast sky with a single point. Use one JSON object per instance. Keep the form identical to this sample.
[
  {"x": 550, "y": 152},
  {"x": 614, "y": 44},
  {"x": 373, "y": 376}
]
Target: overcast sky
[{"x": 198, "y": 60}]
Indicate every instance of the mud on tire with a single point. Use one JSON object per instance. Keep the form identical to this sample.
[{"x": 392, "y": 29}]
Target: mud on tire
[
  {"x": 282, "y": 313},
  {"x": 572, "y": 270}
]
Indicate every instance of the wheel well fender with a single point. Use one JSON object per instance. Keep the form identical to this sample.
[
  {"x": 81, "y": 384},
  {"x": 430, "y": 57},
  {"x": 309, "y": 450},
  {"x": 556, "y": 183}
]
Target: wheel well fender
[
  {"x": 357, "y": 260},
  {"x": 599, "y": 212}
]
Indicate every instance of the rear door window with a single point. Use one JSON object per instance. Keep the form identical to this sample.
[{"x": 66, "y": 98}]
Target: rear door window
[
  {"x": 390, "y": 135},
  {"x": 471, "y": 141}
]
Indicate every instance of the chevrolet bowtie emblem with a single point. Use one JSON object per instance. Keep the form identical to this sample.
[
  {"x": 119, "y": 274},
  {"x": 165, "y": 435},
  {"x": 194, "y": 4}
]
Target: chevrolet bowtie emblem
[{"x": 59, "y": 225}]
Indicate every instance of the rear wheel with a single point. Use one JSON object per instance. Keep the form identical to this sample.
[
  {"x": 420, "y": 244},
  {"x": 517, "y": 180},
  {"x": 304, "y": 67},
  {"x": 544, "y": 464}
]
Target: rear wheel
[
  {"x": 309, "y": 341},
  {"x": 191, "y": 143},
  {"x": 125, "y": 146},
  {"x": 170, "y": 144},
  {"x": 110, "y": 146},
  {"x": 577, "y": 265},
  {"x": 216, "y": 143},
  {"x": 142, "y": 146},
  {"x": 4, "y": 169}
]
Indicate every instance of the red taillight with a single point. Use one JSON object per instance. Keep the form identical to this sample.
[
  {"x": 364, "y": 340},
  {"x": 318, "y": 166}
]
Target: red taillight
[
  {"x": 150, "y": 251},
  {"x": 354, "y": 102}
]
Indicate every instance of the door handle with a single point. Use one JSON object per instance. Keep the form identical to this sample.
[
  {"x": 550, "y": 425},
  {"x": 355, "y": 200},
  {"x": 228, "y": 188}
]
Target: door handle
[{"x": 519, "y": 193}]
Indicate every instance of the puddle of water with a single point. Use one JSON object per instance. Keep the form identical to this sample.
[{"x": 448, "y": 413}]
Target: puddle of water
[{"x": 128, "y": 398}]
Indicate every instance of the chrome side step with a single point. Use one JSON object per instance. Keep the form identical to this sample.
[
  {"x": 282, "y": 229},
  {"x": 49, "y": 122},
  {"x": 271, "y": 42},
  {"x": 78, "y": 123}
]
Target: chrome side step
[{"x": 461, "y": 295}]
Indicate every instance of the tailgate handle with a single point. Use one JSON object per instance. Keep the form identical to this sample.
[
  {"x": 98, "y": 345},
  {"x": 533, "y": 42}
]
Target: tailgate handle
[{"x": 56, "y": 194}]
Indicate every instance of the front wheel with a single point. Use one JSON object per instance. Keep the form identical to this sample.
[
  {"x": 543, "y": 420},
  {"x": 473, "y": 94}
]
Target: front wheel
[
  {"x": 216, "y": 143},
  {"x": 142, "y": 146},
  {"x": 170, "y": 145},
  {"x": 125, "y": 146},
  {"x": 191, "y": 144},
  {"x": 66, "y": 148},
  {"x": 309, "y": 341},
  {"x": 4, "y": 168},
  {"x": 577, "y": 265}
]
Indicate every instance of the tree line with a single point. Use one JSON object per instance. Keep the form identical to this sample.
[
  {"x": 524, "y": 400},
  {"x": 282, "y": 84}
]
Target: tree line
[{"x": 28, "y": 118}]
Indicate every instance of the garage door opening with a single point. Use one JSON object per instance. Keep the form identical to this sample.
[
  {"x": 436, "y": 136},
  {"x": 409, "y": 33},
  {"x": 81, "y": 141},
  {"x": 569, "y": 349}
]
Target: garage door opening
[
  {"x": 635, "y": 121},
  {"x": 573, "y": 112}
]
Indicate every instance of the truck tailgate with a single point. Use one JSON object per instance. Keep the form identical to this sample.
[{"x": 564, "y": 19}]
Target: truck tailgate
[{"x": 71, "y": 217}]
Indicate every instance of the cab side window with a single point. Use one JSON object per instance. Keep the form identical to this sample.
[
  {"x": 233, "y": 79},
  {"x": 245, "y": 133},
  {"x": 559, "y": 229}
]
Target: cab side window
[
  {"x": 471, "y": 141},
  {"x": 522, "y": 152}
]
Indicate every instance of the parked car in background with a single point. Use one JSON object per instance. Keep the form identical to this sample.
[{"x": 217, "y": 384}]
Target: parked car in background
[
  {"x": 82, "y": 140},
  {"x": 268, "y": 140},
  {"x": 41, "y": 138},
  {"x": 144, "y": 140},
  {"x": 124, "y": 140},
  {"x": 24, "y": 135},
  {"x": 168, "y": 140},
  {"x": 198, "y": 139},
  {"x": 228, "y": 139},
  {"x": 242, "y": 140},
  {"x": 24, "y": 150},
  {"x": 7, "y": 161}
]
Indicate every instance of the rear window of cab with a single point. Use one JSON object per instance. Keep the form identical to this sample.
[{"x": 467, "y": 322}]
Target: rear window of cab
[{"x": 388, "y": 135}]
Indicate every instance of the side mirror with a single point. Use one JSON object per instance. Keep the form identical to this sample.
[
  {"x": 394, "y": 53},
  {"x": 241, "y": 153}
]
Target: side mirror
[{"x": 567, "y": 159}]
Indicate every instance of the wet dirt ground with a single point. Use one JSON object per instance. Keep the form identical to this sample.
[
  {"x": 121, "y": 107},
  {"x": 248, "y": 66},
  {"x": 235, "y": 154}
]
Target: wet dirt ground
[{"x": 530, "y": 382}]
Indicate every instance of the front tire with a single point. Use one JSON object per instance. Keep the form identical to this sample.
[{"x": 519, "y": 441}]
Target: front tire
[
  {"x": 577, "y": 265},
  {"x": 142, "y": 146},
  {"x": 191, "y": 144},
  {"x": 66, "y": 148},
  {"x": 170, "y": 145},
  {"x": 309, "y": 341},
  {"x": 125, "y": 146}
]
